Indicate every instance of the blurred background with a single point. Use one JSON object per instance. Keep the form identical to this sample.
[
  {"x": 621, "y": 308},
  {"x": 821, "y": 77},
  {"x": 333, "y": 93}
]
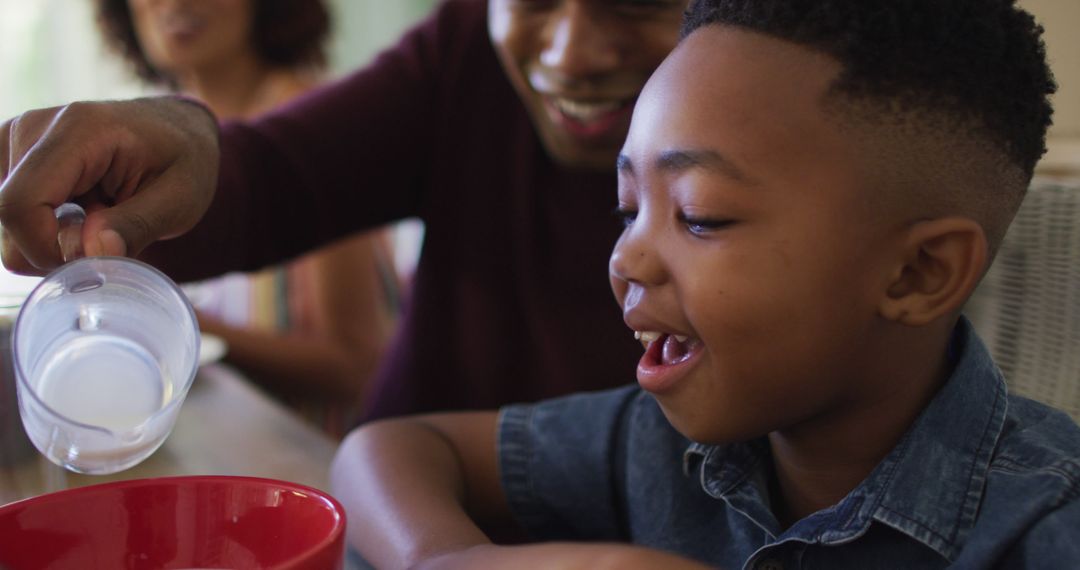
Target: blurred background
[
  {"x": 51, "y": 53},
  {"x": 1061, "y": 18}
]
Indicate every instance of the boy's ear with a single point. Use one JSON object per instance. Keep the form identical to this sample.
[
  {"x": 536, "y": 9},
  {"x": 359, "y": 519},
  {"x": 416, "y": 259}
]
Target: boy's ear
[{"x": 942, "y": 260}]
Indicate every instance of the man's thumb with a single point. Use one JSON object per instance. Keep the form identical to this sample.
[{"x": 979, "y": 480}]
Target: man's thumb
[
  {"x": 107, "y": 242},
  {"x": 110, "y": 232}
]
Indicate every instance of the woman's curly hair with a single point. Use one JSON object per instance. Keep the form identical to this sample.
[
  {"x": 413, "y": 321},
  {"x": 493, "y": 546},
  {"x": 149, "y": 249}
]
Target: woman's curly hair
[{"x": 287, "y": 33}]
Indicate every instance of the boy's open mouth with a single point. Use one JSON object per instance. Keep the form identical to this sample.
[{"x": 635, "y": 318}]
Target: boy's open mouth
[{"x": 663, "y": 349}]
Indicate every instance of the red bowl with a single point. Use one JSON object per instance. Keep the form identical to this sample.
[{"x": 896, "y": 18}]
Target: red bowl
[{"x": 175, "y": 522}]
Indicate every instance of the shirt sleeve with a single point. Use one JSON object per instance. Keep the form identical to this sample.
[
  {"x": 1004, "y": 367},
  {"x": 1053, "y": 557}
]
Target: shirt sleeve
[
  {"x": 347, "y": 156},
  {"x": 559, "y": 464}
]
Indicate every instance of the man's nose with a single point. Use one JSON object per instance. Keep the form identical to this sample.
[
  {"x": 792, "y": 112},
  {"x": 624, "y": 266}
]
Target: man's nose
[{"x": 581, "y": 42}]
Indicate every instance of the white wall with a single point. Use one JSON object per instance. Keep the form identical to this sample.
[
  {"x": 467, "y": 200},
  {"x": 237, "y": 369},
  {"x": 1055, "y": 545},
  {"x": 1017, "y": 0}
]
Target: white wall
[
  {"x": 362, "y": 27},
  {"x": 51, "y": 53},
  {"x": 1061, "y": 20}
]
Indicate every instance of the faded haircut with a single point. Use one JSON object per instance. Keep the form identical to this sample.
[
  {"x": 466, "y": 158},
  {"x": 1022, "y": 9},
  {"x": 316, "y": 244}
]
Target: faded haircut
[{"x": 970, "y": 71}]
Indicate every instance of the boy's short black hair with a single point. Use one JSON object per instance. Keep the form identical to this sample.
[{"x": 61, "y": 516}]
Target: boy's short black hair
[
  {"x": 287, "y": 33},
  {"x": 981, "y": 63}
]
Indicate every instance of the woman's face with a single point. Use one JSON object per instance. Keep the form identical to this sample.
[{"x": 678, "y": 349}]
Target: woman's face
[{"x": 180, "y": 36}]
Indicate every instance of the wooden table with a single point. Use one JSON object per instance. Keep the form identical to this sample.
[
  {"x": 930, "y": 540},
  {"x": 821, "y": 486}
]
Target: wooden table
[{"x": 225, "y": 427}]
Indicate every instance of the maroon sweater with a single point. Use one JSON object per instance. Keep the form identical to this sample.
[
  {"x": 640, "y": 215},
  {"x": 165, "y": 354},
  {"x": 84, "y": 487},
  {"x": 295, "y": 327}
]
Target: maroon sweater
[{"x": 511, "y": 300}]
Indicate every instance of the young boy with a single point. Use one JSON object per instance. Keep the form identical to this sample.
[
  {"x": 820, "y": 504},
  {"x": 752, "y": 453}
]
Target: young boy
[{"x": 811, "y": 191}]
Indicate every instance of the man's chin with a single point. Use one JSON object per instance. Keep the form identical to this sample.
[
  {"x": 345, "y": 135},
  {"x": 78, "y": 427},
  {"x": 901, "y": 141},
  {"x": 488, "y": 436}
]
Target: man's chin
[{"x": 575, "y": 157}]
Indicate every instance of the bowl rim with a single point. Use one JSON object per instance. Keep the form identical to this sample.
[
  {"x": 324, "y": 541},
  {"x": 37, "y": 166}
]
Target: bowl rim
[{"x": 337, "y": 532}]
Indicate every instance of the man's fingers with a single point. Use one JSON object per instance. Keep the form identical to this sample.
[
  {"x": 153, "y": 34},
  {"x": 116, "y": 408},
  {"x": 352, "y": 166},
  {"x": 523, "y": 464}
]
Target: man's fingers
[
  {"x": 55, "y": 155},
  {"x": 37, "y": 183},
  {"x": 26, "y": 131},
  {"x": 29, "y": 237},
  {"x": 14, "y": 260},
  {"x": 160, "y": 209},
  {"x": 144, "y": 169}
]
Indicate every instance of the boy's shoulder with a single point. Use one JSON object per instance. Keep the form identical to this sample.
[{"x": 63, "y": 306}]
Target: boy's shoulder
[
  {"x": 1036, "y": 460},
  {"x": 1037, "y": 438},
  {"x": 1030, "y": 509}
]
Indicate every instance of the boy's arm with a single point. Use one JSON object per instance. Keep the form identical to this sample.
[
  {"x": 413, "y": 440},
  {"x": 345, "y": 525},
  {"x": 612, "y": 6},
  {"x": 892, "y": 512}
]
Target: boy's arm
[
  {"x": 563, "y": 556},
  {"x": 413, "y": 487}
]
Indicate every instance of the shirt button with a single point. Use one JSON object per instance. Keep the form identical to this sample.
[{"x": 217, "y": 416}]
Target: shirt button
[{"x": 770, "y": 564}]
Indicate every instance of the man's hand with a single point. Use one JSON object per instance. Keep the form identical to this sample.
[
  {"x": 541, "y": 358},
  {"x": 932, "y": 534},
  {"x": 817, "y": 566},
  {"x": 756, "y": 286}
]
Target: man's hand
[{"x": 144, "y": 170}]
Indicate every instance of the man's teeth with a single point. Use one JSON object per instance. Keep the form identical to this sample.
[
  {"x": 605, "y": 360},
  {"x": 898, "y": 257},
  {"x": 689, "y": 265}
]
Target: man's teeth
[
  {"x": 649, "y": 336},
  {"x": 583, "y": 111}
]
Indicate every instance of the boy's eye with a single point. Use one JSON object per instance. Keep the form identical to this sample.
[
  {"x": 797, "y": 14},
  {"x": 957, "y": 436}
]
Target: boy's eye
[
  {"x": 704, "y": 226},
  {"x": 625, "y": 215}
]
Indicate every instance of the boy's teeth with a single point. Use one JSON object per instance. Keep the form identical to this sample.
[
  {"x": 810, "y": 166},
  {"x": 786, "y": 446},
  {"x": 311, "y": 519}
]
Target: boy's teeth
[{"x": 647, "y": 336}]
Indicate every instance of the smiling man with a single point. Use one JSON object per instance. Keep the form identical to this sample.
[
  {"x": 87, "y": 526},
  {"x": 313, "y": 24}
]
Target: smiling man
[
  {"x": 578, "y": 66},
  {"x": 496, "y": 123}
]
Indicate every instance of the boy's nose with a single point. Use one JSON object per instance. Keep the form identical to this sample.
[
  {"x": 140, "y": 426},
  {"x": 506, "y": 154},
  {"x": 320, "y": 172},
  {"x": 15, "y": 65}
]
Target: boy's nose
[
  {"x": 580, "y": 43},
  {"x": 635, "y": 260}
]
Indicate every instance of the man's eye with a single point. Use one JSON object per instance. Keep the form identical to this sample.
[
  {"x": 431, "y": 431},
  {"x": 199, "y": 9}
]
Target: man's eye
[{"x": 625, "y": 215}]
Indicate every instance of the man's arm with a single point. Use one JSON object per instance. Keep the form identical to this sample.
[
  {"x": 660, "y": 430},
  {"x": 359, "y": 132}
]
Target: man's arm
[{"x": 350, "y": 155}]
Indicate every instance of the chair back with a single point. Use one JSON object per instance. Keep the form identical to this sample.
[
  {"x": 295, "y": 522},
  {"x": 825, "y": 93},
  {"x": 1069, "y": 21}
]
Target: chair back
[{"x": 1027, "y": 309}]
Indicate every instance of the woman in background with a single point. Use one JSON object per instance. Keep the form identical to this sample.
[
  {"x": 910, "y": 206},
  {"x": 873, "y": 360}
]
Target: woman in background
[{"x": 313, "y": 331}]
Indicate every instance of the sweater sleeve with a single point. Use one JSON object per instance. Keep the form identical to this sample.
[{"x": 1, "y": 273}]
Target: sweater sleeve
[{"x": 348, "y": 156}]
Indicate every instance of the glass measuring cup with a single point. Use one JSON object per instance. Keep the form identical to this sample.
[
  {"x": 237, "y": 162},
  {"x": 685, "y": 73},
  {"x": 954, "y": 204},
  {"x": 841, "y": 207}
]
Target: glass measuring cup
[{"x": 105, "y": 350}]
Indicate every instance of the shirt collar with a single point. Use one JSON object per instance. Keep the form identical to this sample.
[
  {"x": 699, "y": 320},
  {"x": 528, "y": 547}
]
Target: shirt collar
[
  {"x": 942, "y": 463},
  {"x": 928, "y": 487}
]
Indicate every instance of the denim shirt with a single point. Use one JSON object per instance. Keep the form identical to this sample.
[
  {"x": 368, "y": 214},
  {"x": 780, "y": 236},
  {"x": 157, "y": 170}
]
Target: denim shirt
[{"x": 980, "y": 480}]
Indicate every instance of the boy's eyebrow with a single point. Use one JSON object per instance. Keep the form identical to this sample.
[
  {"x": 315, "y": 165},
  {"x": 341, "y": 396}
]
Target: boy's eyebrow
[{"x": 675, "y": 161}]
